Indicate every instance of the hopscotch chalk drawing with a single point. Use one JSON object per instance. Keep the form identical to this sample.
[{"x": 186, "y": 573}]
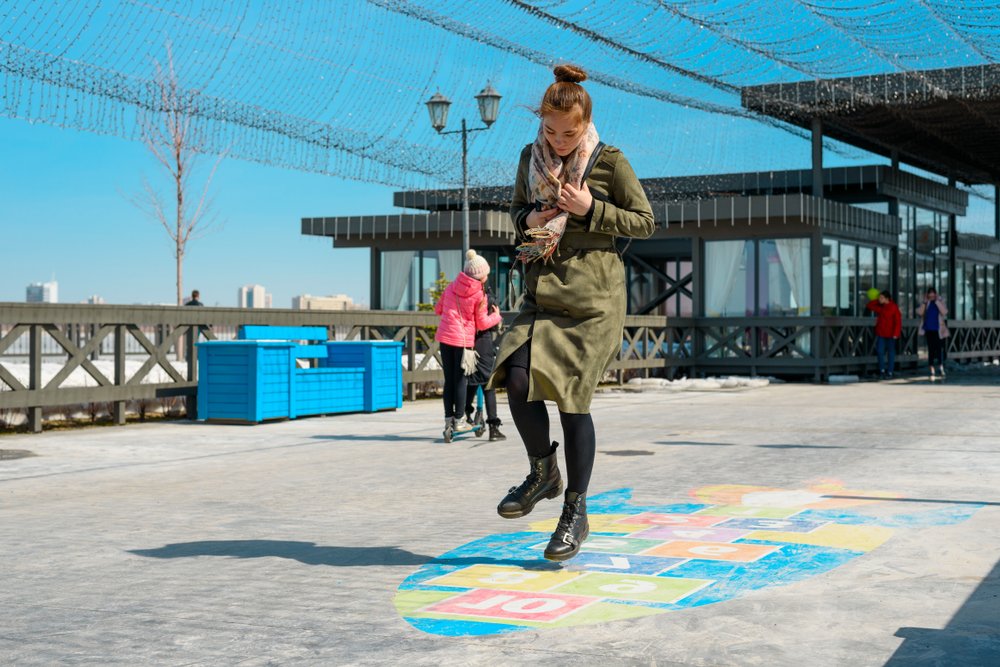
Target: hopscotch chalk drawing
[{"x": 643, "y": 560}]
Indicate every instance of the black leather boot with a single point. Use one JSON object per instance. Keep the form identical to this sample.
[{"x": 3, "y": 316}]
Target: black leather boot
[
  {"x": 543, "y": 481},
  {"x": 572, "y": 529},
  {"x": 495, "y": 433}
]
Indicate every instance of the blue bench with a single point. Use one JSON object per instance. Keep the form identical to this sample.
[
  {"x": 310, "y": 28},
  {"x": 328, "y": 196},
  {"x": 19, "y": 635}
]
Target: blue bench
[{"x": 257, "y": 377}]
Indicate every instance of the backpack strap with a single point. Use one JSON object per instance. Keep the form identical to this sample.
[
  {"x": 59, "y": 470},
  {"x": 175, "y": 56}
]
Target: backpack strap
[{"x": 598, "y": 149}]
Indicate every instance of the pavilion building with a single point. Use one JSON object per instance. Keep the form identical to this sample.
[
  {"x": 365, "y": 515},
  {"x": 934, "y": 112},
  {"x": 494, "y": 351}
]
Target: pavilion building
[{"x": 769, "y": 271}]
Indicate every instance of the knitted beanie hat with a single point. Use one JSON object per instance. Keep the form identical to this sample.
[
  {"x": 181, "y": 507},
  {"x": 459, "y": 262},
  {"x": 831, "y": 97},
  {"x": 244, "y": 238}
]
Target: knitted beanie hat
[{"x": 476, "y": 266}]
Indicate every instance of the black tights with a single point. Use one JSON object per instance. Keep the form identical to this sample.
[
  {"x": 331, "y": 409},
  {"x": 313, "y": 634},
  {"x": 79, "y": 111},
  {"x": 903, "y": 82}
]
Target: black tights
[
  {"x": 532, "y": 422},
  {"x": 489, "y": 398}
]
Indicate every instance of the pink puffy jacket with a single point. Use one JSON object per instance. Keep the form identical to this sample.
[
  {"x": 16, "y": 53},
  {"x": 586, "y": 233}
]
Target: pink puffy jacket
[{"x": 463, "y": 312}]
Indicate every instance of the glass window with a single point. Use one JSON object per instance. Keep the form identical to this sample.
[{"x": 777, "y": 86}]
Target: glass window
[
  {"x": 831, "y": 262},
  {"x": 397, "y": 270},
  {"x": 883, "y": 269},
  {"x": 866, "y": 277},
  {"x": 783, "y": 277},
  {"x": 925, "y": 231},
  {"x": 906, "y": 226},
  {"x": 969, "y": 290},
  {"x": 991, "y": 292},
  {"x": 925, "y": 274},
  {"x": 729, "y": 272},
  {"x": 685, "y": 307},
  {"x": 958, "y": 308},
  {"x": 980, "y": 292},
  {"x": 848, "y": 279}
]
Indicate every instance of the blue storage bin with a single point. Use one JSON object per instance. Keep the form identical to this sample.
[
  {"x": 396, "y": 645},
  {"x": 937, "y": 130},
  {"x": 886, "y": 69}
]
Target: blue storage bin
[
  {"x": 245, "y": 380},
  {"x": 320, "y": 391},
  {"x": 382, "y": 361}
]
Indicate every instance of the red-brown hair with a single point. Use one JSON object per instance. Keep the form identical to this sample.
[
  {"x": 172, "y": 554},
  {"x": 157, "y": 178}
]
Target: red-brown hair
[{"x": 566, "y": 94}]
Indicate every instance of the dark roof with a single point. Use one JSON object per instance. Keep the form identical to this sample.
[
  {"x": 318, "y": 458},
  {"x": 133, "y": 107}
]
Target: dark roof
[
  {"x": 859, "y": 181},
  {"x": 946, "y": 121}
]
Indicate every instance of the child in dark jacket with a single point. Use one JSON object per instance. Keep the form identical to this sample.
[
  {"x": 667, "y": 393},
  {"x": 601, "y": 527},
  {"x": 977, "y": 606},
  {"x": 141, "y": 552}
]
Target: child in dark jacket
[
  {"x": 486, "y": 354},
  {"x": 888, "y": 328}
]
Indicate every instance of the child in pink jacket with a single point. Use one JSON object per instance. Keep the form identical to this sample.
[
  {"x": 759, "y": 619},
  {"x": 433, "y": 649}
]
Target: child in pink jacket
[{"x": 463, "y": 311}]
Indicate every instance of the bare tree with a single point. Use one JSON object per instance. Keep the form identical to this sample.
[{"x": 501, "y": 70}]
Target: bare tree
[{"x": 172, "y": 138}]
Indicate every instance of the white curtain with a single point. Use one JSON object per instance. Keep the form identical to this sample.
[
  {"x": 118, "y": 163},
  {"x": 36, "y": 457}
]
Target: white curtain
[
  {"x": 722, "y": 264},
  {"x": 396, "y": 269},
  {"x": 794, "y": 256},
  {"x": 451, "y": 262}
]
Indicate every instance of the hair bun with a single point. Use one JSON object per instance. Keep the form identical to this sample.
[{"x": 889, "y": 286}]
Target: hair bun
[
  {"x": 470, "y": 254},
  {"x": 570, "y": 73}
]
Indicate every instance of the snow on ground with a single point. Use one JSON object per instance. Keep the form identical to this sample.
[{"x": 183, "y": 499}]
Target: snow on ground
[
  {"x": 697, "y": 384},
  {"x": 81, "y": 378}
]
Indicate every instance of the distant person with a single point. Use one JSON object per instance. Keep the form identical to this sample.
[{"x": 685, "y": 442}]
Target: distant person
[
  {"x": 888, "y": 328},
  {"x": 464, "y": 311},
  {"x": 486, "y": 354},
  {"x": 933, "y": 326},
  {"x": 573, "y": 196},
  {"x": 194, "y": 301}
]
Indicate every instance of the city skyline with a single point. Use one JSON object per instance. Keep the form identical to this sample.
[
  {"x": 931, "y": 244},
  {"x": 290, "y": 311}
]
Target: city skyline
[{"x": 74, "y": 188}]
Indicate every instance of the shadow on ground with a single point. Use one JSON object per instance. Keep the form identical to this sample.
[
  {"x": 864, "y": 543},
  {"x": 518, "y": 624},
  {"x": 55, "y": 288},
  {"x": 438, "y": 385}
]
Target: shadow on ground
[
  {"x": 311, "y": 553},
  {"x": 970, "y": 638},
  {"x": 689, "y": 443},
  {"x": 374, "y": 438}
]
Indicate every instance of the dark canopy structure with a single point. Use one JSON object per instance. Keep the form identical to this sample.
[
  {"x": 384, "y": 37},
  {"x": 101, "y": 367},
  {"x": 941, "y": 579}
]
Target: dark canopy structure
[{"x": 946, "y": 120}]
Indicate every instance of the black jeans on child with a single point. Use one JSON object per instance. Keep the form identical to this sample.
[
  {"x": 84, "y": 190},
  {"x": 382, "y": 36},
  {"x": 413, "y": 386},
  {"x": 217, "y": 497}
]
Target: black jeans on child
[
  {"x": 454, "y": 380},
  {"x": 934, "y": 357}
]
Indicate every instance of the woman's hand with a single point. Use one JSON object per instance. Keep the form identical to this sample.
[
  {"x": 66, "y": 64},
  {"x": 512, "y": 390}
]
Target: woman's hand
[
  {"x": 576, "y": 200},
  {"x": 537, "y": 218}
]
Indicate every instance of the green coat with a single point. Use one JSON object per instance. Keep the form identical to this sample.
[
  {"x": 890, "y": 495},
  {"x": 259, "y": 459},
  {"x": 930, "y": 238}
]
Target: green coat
[{"x": 574, "y": 306}]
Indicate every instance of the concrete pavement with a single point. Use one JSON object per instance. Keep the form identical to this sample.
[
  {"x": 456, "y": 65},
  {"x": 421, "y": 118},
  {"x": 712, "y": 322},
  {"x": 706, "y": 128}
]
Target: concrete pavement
[{"x": 848, "y": 525}]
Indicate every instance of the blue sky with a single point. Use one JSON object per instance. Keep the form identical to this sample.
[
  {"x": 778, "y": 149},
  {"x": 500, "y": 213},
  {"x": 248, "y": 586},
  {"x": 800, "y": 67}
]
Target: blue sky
[
  {"x": 64, "y": 211},
  {"x": 64, "y": 207}
]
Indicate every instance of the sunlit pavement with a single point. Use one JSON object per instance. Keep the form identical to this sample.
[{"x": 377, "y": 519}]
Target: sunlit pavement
[{"x": 795, "y": 524}]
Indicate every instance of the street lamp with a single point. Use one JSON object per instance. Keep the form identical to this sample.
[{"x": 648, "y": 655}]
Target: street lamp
[{"x": 488, "y": 100}]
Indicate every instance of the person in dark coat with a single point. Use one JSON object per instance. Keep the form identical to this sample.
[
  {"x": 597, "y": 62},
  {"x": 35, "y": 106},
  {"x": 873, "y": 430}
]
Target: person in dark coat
[
  {"x": 195, "y": 299},
  {"x": 888, "y": 328},
  {"x": 933, "y": 314},
  {"x": 569, "y": 327},
  {"x": 486, "y": 355}
]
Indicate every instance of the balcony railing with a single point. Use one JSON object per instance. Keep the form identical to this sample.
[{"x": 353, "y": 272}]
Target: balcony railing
[{"x": 58, "y": 355}]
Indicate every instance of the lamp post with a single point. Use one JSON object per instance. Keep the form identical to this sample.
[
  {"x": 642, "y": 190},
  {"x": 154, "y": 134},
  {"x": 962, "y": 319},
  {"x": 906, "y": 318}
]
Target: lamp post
[{"x": 488, "y": 100}]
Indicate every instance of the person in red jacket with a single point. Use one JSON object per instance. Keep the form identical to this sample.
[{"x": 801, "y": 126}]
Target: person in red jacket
[
  {"x": 463, "y": 310},
  {"x": 888, "y": 327}
]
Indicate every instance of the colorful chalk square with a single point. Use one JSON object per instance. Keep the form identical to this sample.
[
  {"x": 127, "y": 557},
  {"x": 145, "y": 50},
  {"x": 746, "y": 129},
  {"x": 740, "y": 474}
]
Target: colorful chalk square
[
  {"x": 751, "y": 512},
  {"x": 617, "y": 545},
  {"x": 633, "y": 587},
  {"x": 503, "y": 578},
  {"x": 675, "y": 520},
  {"x": 728, "y": 551},
  {"x": 511, "y": 605},
  {"x": 855, "y": 538},
  {"x": 785, "y": 525},
  {"x": 622, "y": 563},
  {"x": 701, "y": 534},
  {"x": 599, "y": 523},
  {"x": 614, "y": 544}
]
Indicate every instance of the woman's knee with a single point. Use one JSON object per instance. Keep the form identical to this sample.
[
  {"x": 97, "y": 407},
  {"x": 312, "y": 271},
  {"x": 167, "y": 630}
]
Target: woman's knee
[{"x": 517, "y": 383}]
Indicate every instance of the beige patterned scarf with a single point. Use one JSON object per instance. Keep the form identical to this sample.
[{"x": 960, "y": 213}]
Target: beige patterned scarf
[{"x": 547, "y": 172}]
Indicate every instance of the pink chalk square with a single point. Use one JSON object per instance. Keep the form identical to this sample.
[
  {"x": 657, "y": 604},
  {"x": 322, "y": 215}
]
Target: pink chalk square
[
  {"x": 511, "y": 605},
  {"x": 703, "y": 534},
  {"x": 673, "y": 520},
  {"x": 728, "y": 551}
]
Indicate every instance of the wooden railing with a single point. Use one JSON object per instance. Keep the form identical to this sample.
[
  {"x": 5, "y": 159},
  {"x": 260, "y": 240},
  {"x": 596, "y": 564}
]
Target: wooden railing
[
  {"x": 129, "y": 353},
  {"x": 134, "y": 353}
]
